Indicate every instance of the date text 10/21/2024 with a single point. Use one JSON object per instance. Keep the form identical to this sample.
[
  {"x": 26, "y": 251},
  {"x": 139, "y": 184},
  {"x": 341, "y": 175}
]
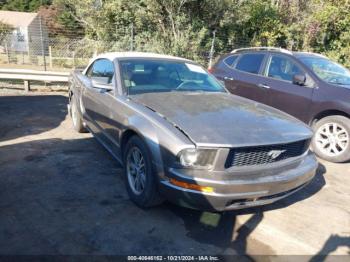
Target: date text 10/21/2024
[{"x": 173, "y": 258}]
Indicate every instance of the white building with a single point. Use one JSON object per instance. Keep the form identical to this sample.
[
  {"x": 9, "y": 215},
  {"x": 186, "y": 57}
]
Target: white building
[{"x": 27, "y": 36}]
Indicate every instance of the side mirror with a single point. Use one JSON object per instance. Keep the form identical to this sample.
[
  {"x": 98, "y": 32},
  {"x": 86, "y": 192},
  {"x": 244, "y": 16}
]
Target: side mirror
[
  {"x": 299, "y": 79},
  {"x": 102, "y": 86}
]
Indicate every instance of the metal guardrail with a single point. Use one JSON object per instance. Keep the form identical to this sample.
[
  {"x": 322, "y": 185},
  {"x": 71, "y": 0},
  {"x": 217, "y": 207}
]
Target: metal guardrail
[{"x": 33, "y": 75}]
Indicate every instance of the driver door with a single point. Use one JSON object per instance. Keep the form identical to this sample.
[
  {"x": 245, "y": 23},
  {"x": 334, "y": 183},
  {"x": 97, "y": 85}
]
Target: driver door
[{"x": 97, "y": 100}]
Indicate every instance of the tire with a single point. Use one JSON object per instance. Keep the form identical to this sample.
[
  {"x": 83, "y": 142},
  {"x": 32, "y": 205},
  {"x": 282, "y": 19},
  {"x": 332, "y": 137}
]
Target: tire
[
  {"x": 76, "y": 116},
  {"x": 146, "y": 195},
  {"x": 331, "y": 140}
]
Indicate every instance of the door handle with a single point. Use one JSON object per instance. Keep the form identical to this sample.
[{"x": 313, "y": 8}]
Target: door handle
[
  {"x": 264, "y": 86},
  {"x": 228, "y": 78}
]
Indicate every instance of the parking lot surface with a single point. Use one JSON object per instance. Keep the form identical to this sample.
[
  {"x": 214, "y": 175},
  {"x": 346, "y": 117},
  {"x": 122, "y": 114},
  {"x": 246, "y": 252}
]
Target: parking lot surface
[{"x": 62, "y": 193}]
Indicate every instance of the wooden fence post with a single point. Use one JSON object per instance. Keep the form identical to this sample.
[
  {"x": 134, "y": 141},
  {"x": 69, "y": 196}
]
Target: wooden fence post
[
  {"x": 7, "y": 52},
  {"x": 26, "y": 85},
  {"x": 50, "y": 56},
  {"x": 73, "y": 59},
  {"x": 42, "y": 42}
]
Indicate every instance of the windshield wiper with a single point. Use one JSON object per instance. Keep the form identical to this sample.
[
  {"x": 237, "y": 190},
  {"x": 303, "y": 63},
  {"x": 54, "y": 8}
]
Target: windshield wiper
[
  {"x": 339, "y": 83},
  {"x": 188, "y": 90}
]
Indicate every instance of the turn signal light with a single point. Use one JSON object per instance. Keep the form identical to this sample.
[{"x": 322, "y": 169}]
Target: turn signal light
[{"x": 195, "y": 187}]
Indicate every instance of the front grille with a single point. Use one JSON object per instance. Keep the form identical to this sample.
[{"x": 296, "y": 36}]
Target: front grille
[{"x": 251, "y": 156}]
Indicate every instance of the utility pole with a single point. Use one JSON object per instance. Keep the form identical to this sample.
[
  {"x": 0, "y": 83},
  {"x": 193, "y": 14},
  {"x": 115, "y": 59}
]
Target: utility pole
[
  {"x": 211, "y": 53},
  {"x": 42, "y": 42}
]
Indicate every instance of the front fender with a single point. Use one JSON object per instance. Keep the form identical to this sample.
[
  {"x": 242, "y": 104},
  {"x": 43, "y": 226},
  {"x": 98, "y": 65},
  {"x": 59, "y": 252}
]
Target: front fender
[{"x": 161, "y": 137}]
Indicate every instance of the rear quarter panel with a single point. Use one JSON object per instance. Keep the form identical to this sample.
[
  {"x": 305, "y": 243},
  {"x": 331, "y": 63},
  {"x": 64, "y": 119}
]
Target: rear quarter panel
[{"x": 75, "y": 86}]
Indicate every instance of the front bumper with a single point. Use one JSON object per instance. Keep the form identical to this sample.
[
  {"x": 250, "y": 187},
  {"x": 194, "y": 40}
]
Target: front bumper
[{"x": 239, "y": 189}]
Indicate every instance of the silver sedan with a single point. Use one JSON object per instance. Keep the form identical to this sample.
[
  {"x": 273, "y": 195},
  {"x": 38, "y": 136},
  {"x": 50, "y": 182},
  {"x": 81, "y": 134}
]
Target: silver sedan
[{"x": 181, "y": 136}]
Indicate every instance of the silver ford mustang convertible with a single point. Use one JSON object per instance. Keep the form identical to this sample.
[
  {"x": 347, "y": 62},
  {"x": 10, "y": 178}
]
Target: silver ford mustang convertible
[{"x": 181, "y": 136}]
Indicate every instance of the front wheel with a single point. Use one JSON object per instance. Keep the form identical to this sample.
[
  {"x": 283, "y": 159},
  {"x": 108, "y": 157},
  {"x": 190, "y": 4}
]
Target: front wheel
[
  {"x": 331, "y": 140},
  {"x": 140, "y": 180}
]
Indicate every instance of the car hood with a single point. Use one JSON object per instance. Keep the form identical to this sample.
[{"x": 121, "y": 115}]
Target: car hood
[{"x": 224, "y": 119}]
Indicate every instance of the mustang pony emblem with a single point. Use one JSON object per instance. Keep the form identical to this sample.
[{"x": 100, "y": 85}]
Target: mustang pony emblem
[{"x": 275, "y": 153}]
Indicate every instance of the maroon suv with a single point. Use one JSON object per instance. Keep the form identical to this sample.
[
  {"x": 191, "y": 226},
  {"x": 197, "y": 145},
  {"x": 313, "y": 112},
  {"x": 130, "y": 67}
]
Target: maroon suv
[{"x": 308, "y": 86}]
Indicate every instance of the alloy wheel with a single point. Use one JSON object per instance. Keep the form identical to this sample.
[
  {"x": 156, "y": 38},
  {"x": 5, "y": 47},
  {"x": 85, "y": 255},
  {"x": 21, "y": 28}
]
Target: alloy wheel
[
  {"x": 332, "y": 139},
  {"x": 74, "y": 114},
  {"x": 136, "y": 170}
]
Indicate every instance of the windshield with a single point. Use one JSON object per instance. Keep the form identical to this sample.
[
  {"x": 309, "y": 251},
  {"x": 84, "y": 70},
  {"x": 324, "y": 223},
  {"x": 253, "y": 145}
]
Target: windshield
[
  {"x": 327, "y": 70},
  {"x": 146, "y": 76}
]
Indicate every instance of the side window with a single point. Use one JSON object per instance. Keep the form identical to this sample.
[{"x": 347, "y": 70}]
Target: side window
[
  {"x": 283, "y": 68},
  {"x": 230, "y": 60},
  {"x": 250, "y": 63},
  {"x": 102, "y": 70}
]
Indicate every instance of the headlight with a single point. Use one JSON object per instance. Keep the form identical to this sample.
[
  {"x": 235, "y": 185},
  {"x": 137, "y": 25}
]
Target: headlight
[{"x": 193, "y": 157}]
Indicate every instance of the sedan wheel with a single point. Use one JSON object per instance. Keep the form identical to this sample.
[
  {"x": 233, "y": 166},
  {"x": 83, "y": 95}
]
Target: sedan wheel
[
  {"x": 140, "y": 179},
  {"x": 332, "y": 138},
  {"x": 135, "y": 165},
  {"x": 76, "y": 116}
]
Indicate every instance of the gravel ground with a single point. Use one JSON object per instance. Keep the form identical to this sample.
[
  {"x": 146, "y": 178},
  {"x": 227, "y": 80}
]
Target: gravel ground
[{"x": 62, "y": 193}]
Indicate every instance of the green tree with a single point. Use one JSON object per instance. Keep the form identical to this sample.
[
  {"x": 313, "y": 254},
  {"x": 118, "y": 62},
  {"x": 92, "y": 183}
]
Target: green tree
[
  {"x": 23, "y": 5},
  {"x": 185, "y": 27}
]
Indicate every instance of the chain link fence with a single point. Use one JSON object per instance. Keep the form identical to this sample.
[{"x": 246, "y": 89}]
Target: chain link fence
[{"x": 35, "y": 47}]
